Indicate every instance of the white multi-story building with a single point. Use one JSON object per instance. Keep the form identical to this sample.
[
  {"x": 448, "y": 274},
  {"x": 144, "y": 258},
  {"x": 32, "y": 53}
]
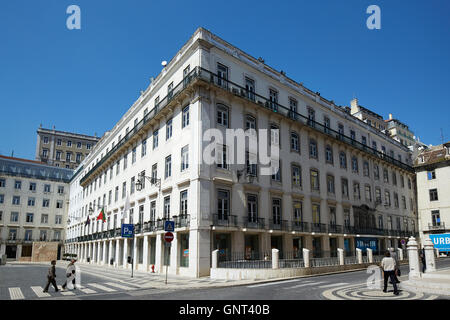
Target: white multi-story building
[
  {"x": 341, "y": 183},
  {"x": 33, "y": 206},
  {"x": 433, "y": 185}
]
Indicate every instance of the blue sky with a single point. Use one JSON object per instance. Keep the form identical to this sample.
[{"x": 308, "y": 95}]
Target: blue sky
[{"x": 85, "y": 80}]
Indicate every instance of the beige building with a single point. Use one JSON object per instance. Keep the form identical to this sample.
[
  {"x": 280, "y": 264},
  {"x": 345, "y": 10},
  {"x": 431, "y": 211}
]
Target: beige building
[
  {"x": 33, "y": 209},
  {"x": 400, "y": 132},
  {"x": 371, "y": 118},
  {"x": 341, "y": 183},
  {"x": 433, "y": 189},
  {"x": 63, "y": 149}
]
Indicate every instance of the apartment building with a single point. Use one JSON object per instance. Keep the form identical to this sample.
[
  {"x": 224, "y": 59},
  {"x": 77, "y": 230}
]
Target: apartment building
[
  {"x": 433, "y": 190},
  {"x": 371, "y": 118},
  {"x": 63, "y": 149},
  {"x": 341, "y": 183},
  {"x": 33, "y": 209},
  {"x": 400, "y": 132}
]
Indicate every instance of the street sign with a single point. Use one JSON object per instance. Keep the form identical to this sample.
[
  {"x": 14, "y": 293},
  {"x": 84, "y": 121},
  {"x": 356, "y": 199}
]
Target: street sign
[
  {"x": 127, "y": 230},
  {"x": 169, "y": 226},
  {"x": 441, "y": 241},
  {"x": 168, "y": 236},
  {"x": 402, "y": 241}
]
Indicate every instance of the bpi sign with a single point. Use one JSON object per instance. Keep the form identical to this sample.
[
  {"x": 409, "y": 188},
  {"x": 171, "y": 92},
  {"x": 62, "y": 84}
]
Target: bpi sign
[{"x": 441, "y": 241}]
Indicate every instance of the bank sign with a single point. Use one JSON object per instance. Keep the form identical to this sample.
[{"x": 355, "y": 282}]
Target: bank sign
[
  {"x": 441, "y": 241},
  {"x": 364, "y": 243}
]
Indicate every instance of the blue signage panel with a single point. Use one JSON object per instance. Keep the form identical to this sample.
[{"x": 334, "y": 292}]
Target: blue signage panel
[
  {"x": 127, "y": 230},
  {"x": 364, "y": 243},
  {"x": 169, "y": 226},
  {"x": 441, "y": 241}
]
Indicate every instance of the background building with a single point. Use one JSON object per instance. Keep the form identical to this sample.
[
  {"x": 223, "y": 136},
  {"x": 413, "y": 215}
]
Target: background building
[
  {"x": 433, "y": 189},
  {"x": 33, "y": 209},
  {"x": 400, "y": 131},
  {"x": 341, "y": 184},
  {"x": 371, "y": 118},
  {"x": 63, "y": 149}
]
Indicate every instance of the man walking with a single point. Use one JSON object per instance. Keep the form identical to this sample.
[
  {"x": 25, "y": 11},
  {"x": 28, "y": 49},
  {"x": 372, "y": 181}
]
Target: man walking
[
  {"x": 70, "y": 274},
  {"x": 51, "y": 275},
  {"x": 388, "y": 266}
]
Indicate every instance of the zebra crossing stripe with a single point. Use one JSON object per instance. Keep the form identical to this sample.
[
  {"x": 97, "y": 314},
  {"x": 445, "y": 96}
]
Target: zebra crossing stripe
[
  {"x": 39, "y": 292},
  {"x": 99, "y": 286},
  {"x": 16, "y": 294},
  {"x": 272, "y": 283},
  {"x": 116, "y": 285},
  {"x": 304, "y": 284},
  {"x": 67, "y": 293}
]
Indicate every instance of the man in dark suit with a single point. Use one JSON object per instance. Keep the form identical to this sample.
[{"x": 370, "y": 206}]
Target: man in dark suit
[{"x": 51, "y": 277}]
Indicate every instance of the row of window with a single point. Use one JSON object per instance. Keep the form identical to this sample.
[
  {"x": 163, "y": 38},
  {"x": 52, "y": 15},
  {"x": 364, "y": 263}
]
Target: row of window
[
  {"x": 32, "y": 202},
  {"x": 31, "y": 187},
  {"x": 183, "y": 212},
  {"x": 167, "y": 173},
  {"x": 69, "y": 144},
  {"x": 29, "y": 217},
  {"x": 223, "y": 211},
  {"x": 28, "y": 236},
  {"x": 223, "y": 113}
]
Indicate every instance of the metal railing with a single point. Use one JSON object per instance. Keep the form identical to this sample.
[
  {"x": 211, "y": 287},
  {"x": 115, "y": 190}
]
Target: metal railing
[
  {"x": 224, "y": 220},
  {"x": 253, "y": 223},
  {"x": 278, "y": 225},
  {"x": 318, "y": 227},
  {"x": 182, "y": 221},
  {"x": 300, "y": 226},
  {"x": 238, "y": 90}
]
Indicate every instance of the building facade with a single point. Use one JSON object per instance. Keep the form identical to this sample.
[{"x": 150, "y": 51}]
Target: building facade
[
  {"x": 400, "y": 132},
  {"x": 63, "y": 149},
  {"x": 341, "y": 183},
  {"x": 33, "y": 207},
  {"x": 433, "y": 184},
  {"x": 371, "y": 118}
]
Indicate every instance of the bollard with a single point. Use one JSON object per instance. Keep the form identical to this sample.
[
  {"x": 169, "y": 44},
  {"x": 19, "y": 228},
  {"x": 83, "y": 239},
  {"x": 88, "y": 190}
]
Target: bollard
[
  {"x": 306, "y": 257},
  {"x": 429, "y": 255},
  {"x": 400, "y": 254},
  {"x": 359, "y": 255},
  {"x": 341, "y": 256},
  {"x": 215, "y": 255},
  {"x": 275, "y": 258},
  {"x": 370, "y": 255},
  {"x": 414, "y": 267}
]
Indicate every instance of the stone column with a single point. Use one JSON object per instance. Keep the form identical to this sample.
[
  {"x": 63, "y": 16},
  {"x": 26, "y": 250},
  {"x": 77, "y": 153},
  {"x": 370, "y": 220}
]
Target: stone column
[
  {"x": 306, "y": 257},
  {"x": 99, "y": 252},
  {"x": 116, "y": 259},
  {"x": 414, "y": 267},
  {"x": 135, "y": 253},
  {"x": 215, "y": 259},
  {"x": 400, "y": 254},
  {"x": 159, "y": 255},
  {"x": 437, "y": 252},
  {"x": 370, "y": 255},
  {"x": 359, "y": 255},
  {"x": 104, "y": 253},
  {"x": 174, "y": 256},
  {"x": 110, "y": 253},
  {"x": 275, "y": 259},
  {"x": 341, "y": 256},
  {"x": 19, "y": 252},
  {"x": 429, "y": 255},
  {"x": 145, "y": 253}
]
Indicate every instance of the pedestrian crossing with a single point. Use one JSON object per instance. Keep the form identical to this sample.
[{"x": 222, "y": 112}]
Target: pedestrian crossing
[
  {"x": 36, "y": 292},
  {"x": 301, "y": 283}
]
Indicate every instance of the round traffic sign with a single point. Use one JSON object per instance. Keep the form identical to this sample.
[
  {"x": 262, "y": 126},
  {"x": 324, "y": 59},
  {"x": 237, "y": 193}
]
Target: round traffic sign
[{"x": 168, "y": 236}]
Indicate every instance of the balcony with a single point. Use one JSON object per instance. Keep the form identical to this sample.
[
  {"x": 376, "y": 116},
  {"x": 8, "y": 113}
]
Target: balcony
[
  {"x": 223, "y": 220},
  {"x": 440, "y": 226},
  {"x": 300, "y": 226},
  {"x": 253, "y": 223},
  {"x": 182, "y": 221},
  {"x": 318, "y": 227},
  {"x": 281, "y": 225},
  {"x": 150, "y": 226},
  {"x": 334, "y": 228}
]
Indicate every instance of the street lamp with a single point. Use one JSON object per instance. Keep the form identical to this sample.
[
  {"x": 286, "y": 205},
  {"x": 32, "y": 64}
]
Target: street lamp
[{"x": 153, "y": 181}]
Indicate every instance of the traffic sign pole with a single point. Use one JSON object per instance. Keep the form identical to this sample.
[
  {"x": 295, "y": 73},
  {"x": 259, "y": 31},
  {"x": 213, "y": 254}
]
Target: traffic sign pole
[{"x": 168, "y": 237}]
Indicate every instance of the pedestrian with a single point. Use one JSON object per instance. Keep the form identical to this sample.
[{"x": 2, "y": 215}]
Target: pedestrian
[
  {"x": 70, "y": 273},
  {"x": 397, "y": 265},
  {"x": 51, "y": 275},
  {"x": 422, "y": 259},
  {"x": 388, "y": 266}
]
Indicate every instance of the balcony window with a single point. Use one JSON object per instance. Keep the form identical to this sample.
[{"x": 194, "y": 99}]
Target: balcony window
[
  {"x": 330, "y": 184},
  {"x": 185, "y": 120},
  {"x": 276, "y": 211},
  {"x": 273, "y": 97},
  {"x": 315, "y": 213},
  {"x": 296, "y": 176},
  {"x": 169, "y": 129},
  {"x": 313, "y": 148},
  {"x": 252, "y": 208},
  {"x": 183, "y": 203},
  {"x": 435, "y": 218},
  {"x": 221, "y": 156},
  {"x": 168, "y": 167},
  {"x": 222, "y": 115},
  {"x": 314, "y": 180},
  {"x": 344, "y": 183},
  {"x": 329, "y": 154},
  {"x": 298, "y": 211},
  {"x": 295, "y": 145},
  {"x": 250, "y": 88},
  {"x": 343, "y": 160},
  {"x": 223, "y": 204},
  {"x": 293, "y": 109},
  {"x": 222, "y": 75}
]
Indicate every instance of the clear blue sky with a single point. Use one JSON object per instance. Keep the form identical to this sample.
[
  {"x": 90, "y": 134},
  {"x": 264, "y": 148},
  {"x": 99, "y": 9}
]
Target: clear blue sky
[{"x": 85, "y": 80}]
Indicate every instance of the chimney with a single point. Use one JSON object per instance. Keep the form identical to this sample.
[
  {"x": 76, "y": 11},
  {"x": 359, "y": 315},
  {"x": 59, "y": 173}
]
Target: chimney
[
  {"x": 390, "y": 116},
  {"x": 354, "y": 103}
]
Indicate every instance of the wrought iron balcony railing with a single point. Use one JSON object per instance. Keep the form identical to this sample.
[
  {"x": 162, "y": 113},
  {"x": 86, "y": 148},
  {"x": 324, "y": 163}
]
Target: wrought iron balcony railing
[{"x": 224, "y": 220}]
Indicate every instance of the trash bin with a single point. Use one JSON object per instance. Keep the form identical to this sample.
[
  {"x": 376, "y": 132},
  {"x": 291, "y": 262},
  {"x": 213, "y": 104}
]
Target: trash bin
[
  {"x": 88, "y": 259},
  {"x": 111, "y": 262}
]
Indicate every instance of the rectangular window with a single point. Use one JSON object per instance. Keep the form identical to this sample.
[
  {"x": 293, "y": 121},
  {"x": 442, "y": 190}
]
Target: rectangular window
[
  {"x": 59, "y": 142},
  {"x": 250, "y": 88},
  {"x": 185, "y": 120},
  {"x": 170, "y": 91},
  {"x": 344, "y": 188},
  {"x": 431, "y": 175},
  {"x": 434, "y": 195},
  {"x": 276, "y": 167},
  {"x": 252, "y": 208},
  {"x": 368, "y": 192},
  {"x": 298, "y": 212},
  {"x": 356, "y": 191},
  {"x": 222, "y": 75},
  {"x": 133, "y": 155},
  {"x": 14, "y": 217},
  {"x": 2, "y": 183},
  {"x": 144, "y": 148},
  {"x": 17, "y": 184},
  {"x": 378, "y": 195},
  {"x": 2, "y": 199},
  {"x": 44, "y": 218},
  {"x": 132, "y": 185},
  {"x": 315, "y": 213},
  {"x": 60, "y": 189},
  {"x": 276, "y": 211},
  {"x": 124, "y": 189},
  {"x": 153, "y": 211},
  {"x": 167, "y": 207},
  {"x": 314, "y": 180},
  {"x": 16, "y": 200},
  {"x": 32, "y": 186},
  {"x": 116, "y": 194},
  {"x": 59, "y": 204},
  {"x": 330, "y": 184},
  {"x": 221, "y": 156},
  {"x": 28, "y": 235},
  {"x": 58, "y": 219},
  {"x": 169, "y": 129},
  {"x": 296, "y": 176},
  {"x": 223, "y": 204},
  {"x": 183, "y": 203},
  {"x": 273, "y": 96},
  {"x": 184, "y": 158},
  {"x": 222, "y": 115},
  {"x": 168, "y": 167},
  {"x": 295, "y": 143},
  {"x": 155, "y": 139}
]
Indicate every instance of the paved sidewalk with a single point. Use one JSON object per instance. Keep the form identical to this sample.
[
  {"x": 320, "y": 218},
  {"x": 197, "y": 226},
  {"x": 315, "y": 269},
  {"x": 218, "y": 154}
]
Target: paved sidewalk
[{"x": 437, "y": 282}]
